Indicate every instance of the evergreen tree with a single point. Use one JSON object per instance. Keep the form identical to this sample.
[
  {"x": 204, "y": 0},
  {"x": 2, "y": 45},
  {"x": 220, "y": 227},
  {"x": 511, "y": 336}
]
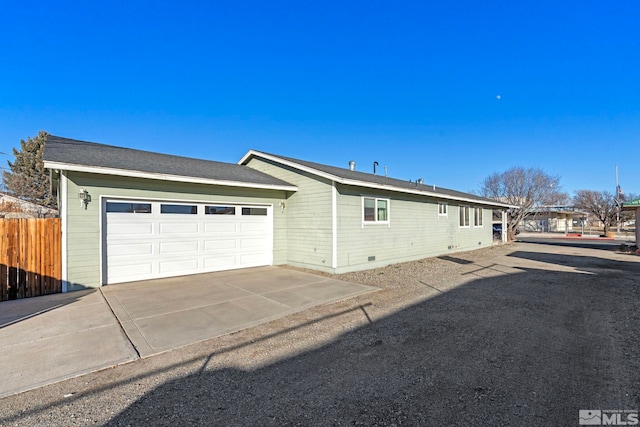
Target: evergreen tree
[{"x": 28, "y": 179}]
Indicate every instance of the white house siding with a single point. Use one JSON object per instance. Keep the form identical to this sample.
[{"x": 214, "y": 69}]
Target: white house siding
[
  {"x": 414, "y": 231},
  {"x": 308, "y": 211},
  {"x": 84, "y": 231}
]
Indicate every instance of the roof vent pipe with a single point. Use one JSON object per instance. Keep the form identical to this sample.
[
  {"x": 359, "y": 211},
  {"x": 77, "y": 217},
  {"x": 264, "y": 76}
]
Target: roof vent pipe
[
  {"x": 374, "y": 167},
  {"x": 352, "y": 165},
  {"x": 420, "y": 181},
  {"x": 385, "y": 172}
]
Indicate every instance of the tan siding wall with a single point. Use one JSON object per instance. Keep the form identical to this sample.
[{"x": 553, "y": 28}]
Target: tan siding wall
[
  {"x": 415, "y": 231},
  {"x": 309, "y": 237},
  {"x": 83, "y": 231}
]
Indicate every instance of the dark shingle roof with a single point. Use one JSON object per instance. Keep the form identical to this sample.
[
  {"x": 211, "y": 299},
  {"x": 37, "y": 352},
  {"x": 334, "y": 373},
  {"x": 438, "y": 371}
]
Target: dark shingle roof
[
  {"x": 347, "y": 174},
  {"x": 81, "y": 153}
]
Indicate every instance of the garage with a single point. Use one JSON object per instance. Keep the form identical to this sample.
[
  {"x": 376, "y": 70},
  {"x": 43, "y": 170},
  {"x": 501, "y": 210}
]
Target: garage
[{"x": 145, "y": 239}]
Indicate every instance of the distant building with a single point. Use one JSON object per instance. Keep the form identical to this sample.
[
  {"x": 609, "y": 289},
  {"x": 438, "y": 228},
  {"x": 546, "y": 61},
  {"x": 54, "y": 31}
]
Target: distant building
[
  {"x": 550, "y": 219},
  {"x": 12, "y": 207}
]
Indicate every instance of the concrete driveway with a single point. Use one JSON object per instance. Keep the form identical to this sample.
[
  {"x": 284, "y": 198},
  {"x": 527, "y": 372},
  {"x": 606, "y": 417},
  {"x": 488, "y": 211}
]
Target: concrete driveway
[{"x": 55, "y": 337}]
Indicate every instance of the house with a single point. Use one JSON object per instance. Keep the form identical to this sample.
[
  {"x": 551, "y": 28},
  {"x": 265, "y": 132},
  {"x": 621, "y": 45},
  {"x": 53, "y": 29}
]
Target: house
[
  {"x": 553, "y": 219},
  {"x": 133, "y": 215},
  {"x": 13, "y": 207},
  {"x": 634, "y": 205}
]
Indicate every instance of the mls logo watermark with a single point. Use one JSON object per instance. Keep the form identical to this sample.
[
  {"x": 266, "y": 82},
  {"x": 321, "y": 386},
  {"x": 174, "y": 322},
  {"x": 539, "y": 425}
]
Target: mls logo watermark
[
  {"x": 604, "y": 417},
  {"x": 590, "y": 417}
]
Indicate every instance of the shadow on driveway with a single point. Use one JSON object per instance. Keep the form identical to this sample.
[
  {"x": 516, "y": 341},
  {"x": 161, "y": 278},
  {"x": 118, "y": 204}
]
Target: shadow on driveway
[
  {"x": 527, "y": 348},
  {"x": 532, "y": 347}
]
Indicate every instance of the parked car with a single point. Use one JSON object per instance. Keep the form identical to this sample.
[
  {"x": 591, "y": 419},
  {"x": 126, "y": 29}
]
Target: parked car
[{"x": 497, "y": 231}]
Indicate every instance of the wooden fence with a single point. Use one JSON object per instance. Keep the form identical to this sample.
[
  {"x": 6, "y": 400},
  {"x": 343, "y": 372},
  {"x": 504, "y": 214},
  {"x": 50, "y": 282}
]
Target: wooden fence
[{"x": 30, "y": 257}]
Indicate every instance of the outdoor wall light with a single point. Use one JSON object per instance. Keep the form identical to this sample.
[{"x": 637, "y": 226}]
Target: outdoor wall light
[{"x": 84, "y": 197}]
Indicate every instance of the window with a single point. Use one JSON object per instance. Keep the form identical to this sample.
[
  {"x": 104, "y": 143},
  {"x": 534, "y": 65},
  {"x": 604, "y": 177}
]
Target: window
[
  {"x": 477, "y": 216},
  {"x": 254, "y": 211},
  {"x": 442, "y": 209},
  {"x": 375, "y": 210},
  {"x": 464, "y": 216},
  {"x": 179, "y": 209},
  {"x": 219, "y": 210},
  {"x": 123, "y": 207}
]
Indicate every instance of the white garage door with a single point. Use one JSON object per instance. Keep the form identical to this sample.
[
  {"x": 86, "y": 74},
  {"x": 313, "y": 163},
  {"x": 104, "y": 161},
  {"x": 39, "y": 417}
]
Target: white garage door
[{"x": 148, "y": 240}]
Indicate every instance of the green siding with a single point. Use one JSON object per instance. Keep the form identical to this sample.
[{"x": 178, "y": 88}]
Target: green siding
[
  {"x": 309, "y": 229},
  {"x": 415, "y": 230},
  {"x": 83, "y": 225}
]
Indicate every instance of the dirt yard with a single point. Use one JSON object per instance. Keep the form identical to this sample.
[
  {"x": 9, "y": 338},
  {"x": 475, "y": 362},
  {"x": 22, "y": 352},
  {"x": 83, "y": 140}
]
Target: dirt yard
[{"x": 521, "y": 334}]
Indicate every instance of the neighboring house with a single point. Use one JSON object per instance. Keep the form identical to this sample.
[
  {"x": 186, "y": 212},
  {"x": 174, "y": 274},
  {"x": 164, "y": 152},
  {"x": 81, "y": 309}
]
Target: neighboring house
[
  {"x": 13, "y": 207},
  {"x": 133, "y": 215},
  {"x": 634, "y": 205},
  {"x": 553, "y": 219}
]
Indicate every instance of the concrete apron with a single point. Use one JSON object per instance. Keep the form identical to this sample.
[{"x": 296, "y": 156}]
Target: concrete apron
[
  {"x": 51, "y": 338},
  {"x": 162, "y": 314},
  {"x": 55, "y": 337}
]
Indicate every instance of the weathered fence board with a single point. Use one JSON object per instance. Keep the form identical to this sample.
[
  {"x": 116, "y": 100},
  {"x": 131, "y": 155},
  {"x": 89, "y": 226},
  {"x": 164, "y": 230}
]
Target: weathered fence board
[{"x": 30, "y": 257}]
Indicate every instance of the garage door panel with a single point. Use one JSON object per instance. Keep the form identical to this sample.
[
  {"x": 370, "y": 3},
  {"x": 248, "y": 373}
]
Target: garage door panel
[
  {"x": 253, "y": 243},
  {"x": 213, "y": 245},
  {"x": 221, "y": 228},
  {"x": 178, "y": 228},
  {"x": 184, "y": 266},
  {"x": 151, "y": 244},
  {"x": 252, "y": 227},
  {"x": 252, "y": 259},
  {"x": 116, "y": 228},
  {"x": 130, "y": 248},
  {"x": 190, "y": 246},
  {"x": 220, "y": 262},
  {"x": 139, "y": 269}
]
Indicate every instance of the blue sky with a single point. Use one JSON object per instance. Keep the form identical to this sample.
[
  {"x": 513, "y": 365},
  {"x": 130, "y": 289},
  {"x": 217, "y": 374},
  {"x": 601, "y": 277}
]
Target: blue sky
[{"x": 412, "y": 85}]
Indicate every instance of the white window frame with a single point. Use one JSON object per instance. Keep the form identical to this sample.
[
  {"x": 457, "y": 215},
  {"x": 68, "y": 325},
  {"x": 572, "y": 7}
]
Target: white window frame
[
  {"x": 461, "y": 210},
  {"x": 375, "y": 204},
  {"x": 443, "y": 209},
  {"x": 475, "y": 217}
]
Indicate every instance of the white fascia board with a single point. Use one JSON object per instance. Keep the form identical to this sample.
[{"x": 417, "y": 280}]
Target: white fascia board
[
  {"x": 163, "y": 177},
  {"x": 366, "y": 184}
]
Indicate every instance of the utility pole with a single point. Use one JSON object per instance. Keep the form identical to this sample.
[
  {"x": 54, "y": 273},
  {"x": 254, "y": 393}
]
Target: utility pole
[{"x": 617, "y": 201}]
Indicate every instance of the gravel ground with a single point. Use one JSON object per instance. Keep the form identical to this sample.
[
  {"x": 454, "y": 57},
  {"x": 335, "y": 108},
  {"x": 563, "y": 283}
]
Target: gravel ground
[{"x": 520, "y": 334}]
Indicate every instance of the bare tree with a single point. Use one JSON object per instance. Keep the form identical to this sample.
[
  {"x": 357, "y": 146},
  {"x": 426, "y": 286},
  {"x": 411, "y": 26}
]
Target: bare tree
[
  {"x": 600, "y": 203},
  {"x": 525, "y": 188}
]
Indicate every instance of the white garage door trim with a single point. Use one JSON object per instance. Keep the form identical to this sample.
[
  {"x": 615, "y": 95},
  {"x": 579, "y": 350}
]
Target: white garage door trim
[{"x": 150, "y": 239}]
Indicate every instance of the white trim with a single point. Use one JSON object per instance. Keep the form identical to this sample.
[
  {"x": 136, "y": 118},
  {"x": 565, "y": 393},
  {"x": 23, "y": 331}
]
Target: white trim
[
  {"x": 459, "y": 213},
  {"x": 63, "y": 229},
  {"x": 475, "y": 224},
  {"x": 334, "y": 225},
  {"x": 103, "y": 240},
  {"x": 163, "y": 176},
  {"x": 366, "y": 184},
  {"x": 375, "y": 207},
  {"x": 446, "y": 210}
]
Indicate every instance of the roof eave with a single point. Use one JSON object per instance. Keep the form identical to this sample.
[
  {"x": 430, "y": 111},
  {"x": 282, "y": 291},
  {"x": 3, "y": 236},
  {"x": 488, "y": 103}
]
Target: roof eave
[
  {"x": 244, "y": 160},
  {"x": 164, "y": 177}
]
